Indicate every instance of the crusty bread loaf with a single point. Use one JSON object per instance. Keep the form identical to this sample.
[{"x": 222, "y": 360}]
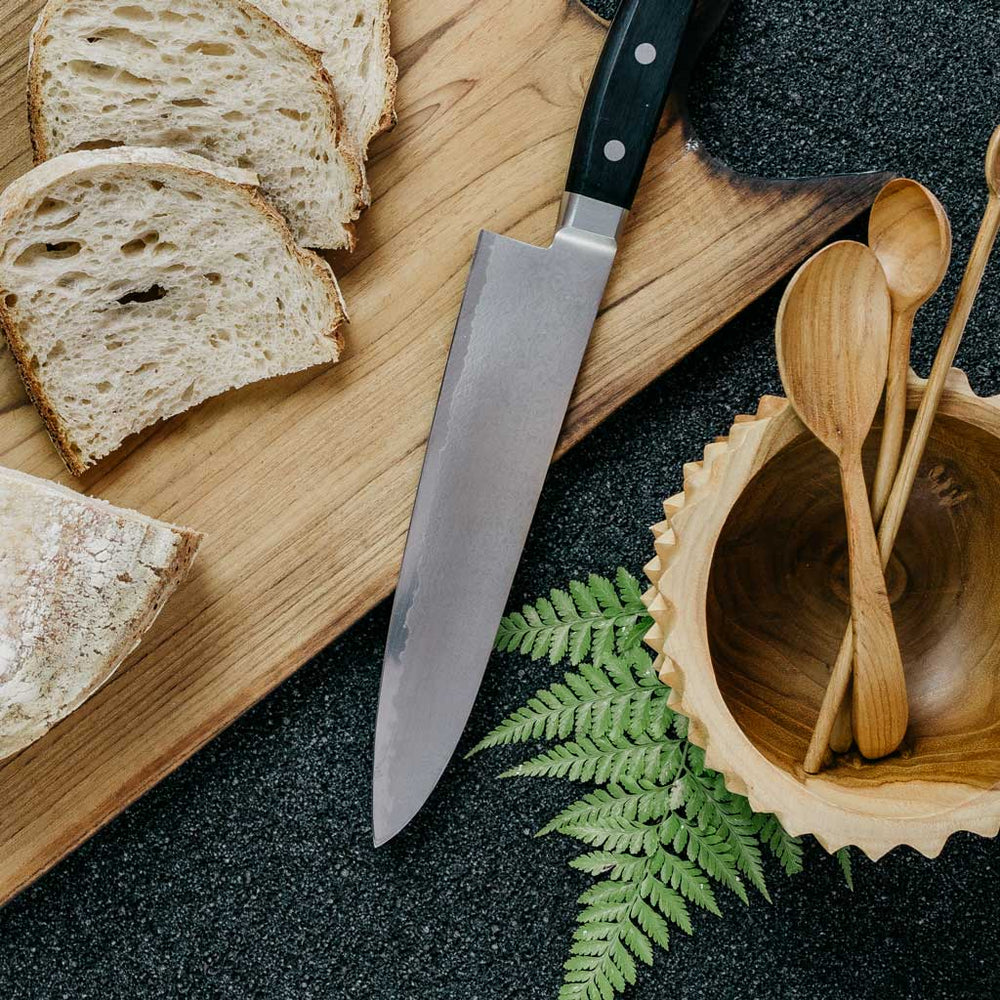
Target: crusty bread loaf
[
  {"x": 215, "y": 77},
  {"x": 135, "y": 283},
  {"x": 353, "y": 36},
  {"x": 80, "y": 582}
]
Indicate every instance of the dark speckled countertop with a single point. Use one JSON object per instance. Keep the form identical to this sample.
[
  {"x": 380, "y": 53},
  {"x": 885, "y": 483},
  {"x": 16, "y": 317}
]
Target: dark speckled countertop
[{"x": 250, "y": 872}]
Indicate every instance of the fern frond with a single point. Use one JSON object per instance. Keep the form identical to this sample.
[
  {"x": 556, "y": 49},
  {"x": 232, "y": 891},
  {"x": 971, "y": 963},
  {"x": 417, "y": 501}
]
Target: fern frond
[
  {"x": 706, "y": 848},
  {"x": 622, "y": 697},
  {"x": 605, "y": 760},
  {"x": 662, "y": 827},
  {"x": 689, "y": 880},
  {"x": 844, "y": 859},
  {"x": 731, "y": 817},
  {"x": 642, "y": 801},
  {"x": 787, "y": 849},
  {"x": 598, "y": 618}
]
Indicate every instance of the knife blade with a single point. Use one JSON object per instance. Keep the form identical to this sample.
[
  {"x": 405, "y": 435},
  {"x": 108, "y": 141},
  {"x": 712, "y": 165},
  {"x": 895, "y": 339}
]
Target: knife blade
[{"x": 522, "y": 329}]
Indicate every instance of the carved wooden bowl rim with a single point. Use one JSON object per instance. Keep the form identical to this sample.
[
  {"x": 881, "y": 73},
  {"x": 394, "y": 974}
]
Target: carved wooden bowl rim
[{"x": 876, "y": 817}]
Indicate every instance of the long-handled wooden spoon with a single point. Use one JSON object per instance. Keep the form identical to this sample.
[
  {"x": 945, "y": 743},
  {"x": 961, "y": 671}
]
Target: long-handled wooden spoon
[
  {"x": 909, "y": 232},
  {"x": 832, "y": 336},
  {"x": 917, "y": 441}
]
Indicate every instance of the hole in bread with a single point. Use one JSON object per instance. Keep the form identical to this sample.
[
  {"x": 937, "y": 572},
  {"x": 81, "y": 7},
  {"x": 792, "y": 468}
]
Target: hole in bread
[
  {"x": 103, "y": 387},
  {"x": 110, "y": 344},
  {"x": 244, "y": 162},
  {"x": 140, "y": 243},
  {"x": 130, "y": 79},
  {"x": 49, "y": 206},
  {"x": 359, "y": 19},
  {"x": 213, "y": 277},
  {"x": 47, "y": 251},
  {"x": 10, "y": 300},
  {"x": 189, "y": 102},
  {"x": 210, "y": 48},
  {"x": 69, "y": 279},
  {"x": 108, "y": 188},
  {"x": 133, "y": 13},
  {"x": 188, "y": 393},
  {"x": 91, "y": 70},
  {"x": 156, "y": 185},
  {"x": 296, "y": 116},
  {"x": 280, "y": 303},
  {"x": 191, "y": 195},
  {"x": 57, "y": 350},
  {"x": 96, "y": 144},
  {"x": 234, "y": 116},
  {"x": 152, "y": 294},
  {"x": 120, "y": 34}
]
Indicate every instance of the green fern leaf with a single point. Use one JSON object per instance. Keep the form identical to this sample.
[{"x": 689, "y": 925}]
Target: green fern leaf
[
  {"x": 689, "y": 880},
  {"x": 625, "y": 867},
  {"x": 579, "y": 642},
  {"x": 564, "y": 605},
  {"x": 642, "y": 800},
  {"x": 603, "y": 591},
  {"x": 844, "y": 859},
  {"x": 787, "y": 849},
  {"x": 669, "y": 902},
  {"x": 628, "y": 587},
  {"x": 585, "y": 601},
  {"x": 602, "y": 760},
  {"x": 651, "y": 922}
]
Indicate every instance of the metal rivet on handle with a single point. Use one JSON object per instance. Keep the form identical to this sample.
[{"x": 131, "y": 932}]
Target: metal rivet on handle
[
  {"x": 645, "y": 53},
  {"x": 614, "y": 150}
]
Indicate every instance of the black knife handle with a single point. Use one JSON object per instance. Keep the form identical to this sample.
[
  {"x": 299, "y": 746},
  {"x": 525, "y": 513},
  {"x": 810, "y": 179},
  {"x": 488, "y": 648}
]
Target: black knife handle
[{"x": 626, "y": 99}]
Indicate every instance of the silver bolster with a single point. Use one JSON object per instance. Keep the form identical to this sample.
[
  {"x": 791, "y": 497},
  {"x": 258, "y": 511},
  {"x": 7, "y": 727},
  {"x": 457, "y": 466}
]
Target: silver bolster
[{"x": 588, "y": 215}]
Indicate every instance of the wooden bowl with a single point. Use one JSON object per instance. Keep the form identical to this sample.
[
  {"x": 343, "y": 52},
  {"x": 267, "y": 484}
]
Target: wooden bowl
[{"x": 749, "y": 600}]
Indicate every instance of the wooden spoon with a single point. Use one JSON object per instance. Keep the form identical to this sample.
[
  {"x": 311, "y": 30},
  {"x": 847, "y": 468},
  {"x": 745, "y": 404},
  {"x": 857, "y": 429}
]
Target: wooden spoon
[
  {"x": 909, "y": 232},
  {"x": 833, "y": 334},
  {"x": 917, "y": 441}
]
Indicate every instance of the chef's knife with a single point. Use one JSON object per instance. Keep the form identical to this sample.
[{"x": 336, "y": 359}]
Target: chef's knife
[{"x": 525, "y": 321}]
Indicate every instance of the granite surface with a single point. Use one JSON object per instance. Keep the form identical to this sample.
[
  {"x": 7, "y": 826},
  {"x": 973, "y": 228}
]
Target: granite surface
[{"x": 250, "y": 872}]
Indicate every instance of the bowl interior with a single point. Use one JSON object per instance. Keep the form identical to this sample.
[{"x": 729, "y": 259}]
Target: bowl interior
[{"x": 778, "y": 605}]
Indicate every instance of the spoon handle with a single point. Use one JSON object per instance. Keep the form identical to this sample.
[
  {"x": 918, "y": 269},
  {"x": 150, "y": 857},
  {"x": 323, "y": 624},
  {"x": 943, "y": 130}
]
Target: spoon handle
[
  {"x": 895, "y": 410},
  {"x": 888, "y": 462},
  {"x": 879, "y": 688}
]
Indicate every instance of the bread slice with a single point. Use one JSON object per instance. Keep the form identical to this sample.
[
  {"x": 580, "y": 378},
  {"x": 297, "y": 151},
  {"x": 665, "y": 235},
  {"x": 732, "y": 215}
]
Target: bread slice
[
  {"x": 214, "y": 77},
  {"x": 353, "y": 36},
  {"x": 134, "y": 283},
  {"x": 80, "y": 582}
]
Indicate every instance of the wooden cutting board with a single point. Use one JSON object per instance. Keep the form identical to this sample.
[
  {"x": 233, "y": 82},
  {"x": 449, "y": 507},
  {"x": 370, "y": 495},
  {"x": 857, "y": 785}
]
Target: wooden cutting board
[{"x": 303, "y": 485}]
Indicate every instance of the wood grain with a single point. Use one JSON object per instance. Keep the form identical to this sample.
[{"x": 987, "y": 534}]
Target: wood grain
[
  {"x": 751, "y": 597},
  {"x": 303, "y": 485}
]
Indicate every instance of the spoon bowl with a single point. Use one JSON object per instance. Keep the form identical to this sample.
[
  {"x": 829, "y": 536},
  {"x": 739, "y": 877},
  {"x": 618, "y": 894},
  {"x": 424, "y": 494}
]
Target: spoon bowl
[
  {"x": 833, "y": 343},
  {"x": 909, "y": 233}
]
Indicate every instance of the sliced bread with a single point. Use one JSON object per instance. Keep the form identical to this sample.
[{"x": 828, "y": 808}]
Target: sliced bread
[
  {"x": 135, "y": 283},
  {"x": 80, "y": 582},
  {"x": 353, "y": 36},
  {"x": 214, "y": 77}
]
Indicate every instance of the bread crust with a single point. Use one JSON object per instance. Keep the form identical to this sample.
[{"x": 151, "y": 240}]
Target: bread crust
[
  {"x": 387, "y": 120},
  {"x": 17, "y": 195},
  {"x": 324, "y": 86},
  {"x": 185, "y": 547}
]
